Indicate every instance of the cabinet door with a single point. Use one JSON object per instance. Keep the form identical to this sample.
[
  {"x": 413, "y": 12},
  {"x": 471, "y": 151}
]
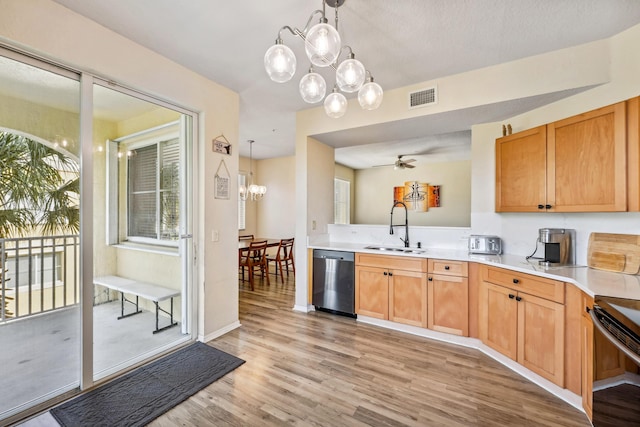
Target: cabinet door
[
  {"x": 609, "y": 360},
  {"x": 498, "y": 319},
  {"x": 541, "y": 337},
  {"x": 372, "y": 292},
  {"x": 521, "y": 168},
  {"x": 448, "y": 304},
  {"x": 587, "y": 365},
  {"x": 587, "y": 161},
  {"x": 408, "y": 297}
]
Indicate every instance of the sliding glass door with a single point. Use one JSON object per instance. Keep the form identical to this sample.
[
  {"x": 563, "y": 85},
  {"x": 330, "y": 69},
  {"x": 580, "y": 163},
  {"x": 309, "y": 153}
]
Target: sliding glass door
[
  {"x": 142, "y": 238},
  {"x": 40, "y": 203},
  {"x": 96, "y": 211}
]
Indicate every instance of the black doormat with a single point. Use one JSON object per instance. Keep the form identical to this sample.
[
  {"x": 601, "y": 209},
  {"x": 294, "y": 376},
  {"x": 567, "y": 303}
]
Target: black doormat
[{"x": 142, "y": 395}]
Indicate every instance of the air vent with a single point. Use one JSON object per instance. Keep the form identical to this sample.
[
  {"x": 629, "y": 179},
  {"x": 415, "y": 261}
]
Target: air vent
[{"x": 423, "y": 97}]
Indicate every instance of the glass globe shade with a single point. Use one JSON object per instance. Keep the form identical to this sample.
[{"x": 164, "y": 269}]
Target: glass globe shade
[
  {"x": 280, "y": 63},
  {"x": 350, "y": 75},
  {"x": 312, "y": 87},
  {"x": 335, "y": 105},
  {"x": 370, "y": 96},
  {"x": 322, "y": 45}
]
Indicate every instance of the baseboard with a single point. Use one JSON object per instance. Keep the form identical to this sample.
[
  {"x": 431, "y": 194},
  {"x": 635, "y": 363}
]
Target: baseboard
[
  {"x": 303, "y": 308},
  {"x": 215, "y": 334}
]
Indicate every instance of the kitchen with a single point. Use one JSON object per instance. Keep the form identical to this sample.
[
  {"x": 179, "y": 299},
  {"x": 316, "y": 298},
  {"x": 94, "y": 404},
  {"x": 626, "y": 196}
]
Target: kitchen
[
  {"x": 518, "y": 230},
  {"x": 613, "y": 65}
]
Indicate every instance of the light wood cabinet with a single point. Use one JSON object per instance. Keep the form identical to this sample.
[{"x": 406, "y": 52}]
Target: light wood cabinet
[
  {"x": 578, "y": 164},
  {"x": 448, "y": 297},
  {"x": 521, "y": 170},
  {"x": 586, "y": 335},
  {"x": 523, "y": 326},
  {"x": 574, "y": 312},
  {"x": 372, "y": 292},
  {"x": 392, "y": 288},
  {"x": 408, "y": 297}
]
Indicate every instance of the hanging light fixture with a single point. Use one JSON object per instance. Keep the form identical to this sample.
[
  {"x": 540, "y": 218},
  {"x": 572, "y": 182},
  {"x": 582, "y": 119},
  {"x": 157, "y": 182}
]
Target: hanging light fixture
[
  {"x": 323, "y": 47},
  {"x": 252, "y": 191}
]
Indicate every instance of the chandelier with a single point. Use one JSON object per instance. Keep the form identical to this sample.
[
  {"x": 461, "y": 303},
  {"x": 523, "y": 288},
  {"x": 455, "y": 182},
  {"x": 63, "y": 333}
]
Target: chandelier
[
  {"x": 323, "y": 47},
  {"x": 252, "y": 191}
]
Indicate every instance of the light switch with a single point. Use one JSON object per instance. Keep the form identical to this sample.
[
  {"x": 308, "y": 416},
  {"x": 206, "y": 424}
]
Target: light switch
[
  {"x": 215, "y": 236},
  {"x": 313, "y": 224}
]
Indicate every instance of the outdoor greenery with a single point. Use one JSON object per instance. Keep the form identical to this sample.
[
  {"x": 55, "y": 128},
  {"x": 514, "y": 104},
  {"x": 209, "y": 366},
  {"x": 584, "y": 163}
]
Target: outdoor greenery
[{"x": 39, "y": 188}]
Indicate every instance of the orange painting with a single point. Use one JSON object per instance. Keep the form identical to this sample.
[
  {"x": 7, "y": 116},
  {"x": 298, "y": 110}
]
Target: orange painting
[
  {"x": 434, "y": 196},
  {"x": 418, "y": 196}
]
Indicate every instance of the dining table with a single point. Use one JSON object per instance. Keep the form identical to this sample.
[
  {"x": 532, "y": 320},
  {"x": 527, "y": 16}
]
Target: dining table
[{"x": 244, "y": 244}]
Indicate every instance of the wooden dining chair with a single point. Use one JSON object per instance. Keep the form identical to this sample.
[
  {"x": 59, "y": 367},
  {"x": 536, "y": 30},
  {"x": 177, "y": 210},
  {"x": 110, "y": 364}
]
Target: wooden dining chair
[
  {"x": 245, "y": 237},
  {"x": 254, "y": 258},
  {"x": 283, "y": 256}
]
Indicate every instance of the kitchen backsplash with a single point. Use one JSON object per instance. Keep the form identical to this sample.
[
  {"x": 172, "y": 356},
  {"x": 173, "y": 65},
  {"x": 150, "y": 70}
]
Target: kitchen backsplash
[{"x": 519, "y": 231}]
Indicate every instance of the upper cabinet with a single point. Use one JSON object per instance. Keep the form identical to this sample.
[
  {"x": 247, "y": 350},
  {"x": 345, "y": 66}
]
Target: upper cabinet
[
  {"x": 578, "y": 164},
  {"x": 521, "y": 171}
]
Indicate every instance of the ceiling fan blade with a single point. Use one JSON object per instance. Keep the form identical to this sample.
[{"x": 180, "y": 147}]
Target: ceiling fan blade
[
  {"x": 408, "y": 160},
  {"x": 379, "y": 166},
  {"x": 409, "y": 166}
]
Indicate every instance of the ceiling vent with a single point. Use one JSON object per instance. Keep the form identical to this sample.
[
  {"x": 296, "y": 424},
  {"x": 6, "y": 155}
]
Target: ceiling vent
[{"x": 423, "y": 97}]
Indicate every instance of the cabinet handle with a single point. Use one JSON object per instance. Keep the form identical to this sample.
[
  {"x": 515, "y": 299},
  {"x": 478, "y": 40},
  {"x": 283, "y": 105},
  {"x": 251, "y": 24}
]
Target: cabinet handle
[
  {"x": 511, "y": 296},
  {"x": 516, "y": 281},
  {"x": 446, "y": 267},
  {"x": 430, "y": 279},
  {"x": 518, "y": 299},
  {"x": 390, "y": 274},
  {"x": 540, "y": 206},
  {"x": 385, "y": 273},
  {"x": 548, "y": 206}
]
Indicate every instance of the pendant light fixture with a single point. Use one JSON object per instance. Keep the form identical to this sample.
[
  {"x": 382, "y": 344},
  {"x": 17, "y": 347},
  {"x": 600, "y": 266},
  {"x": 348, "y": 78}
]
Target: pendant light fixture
[
  {"x": 252, "y": 191},
  {"x": 323, "y": 47}
]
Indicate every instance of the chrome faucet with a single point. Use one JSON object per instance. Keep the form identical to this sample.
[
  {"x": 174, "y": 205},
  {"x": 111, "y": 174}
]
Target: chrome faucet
[{"x": 406, "y": 222}]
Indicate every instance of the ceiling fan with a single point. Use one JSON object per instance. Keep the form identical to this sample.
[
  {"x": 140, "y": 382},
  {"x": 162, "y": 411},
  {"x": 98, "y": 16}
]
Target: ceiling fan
[{"x": 400, "y": 164}]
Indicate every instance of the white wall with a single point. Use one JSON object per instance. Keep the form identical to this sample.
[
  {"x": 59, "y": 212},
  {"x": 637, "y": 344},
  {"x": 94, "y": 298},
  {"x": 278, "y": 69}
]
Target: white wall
[
  {"x": 52, "y": 31},
  {"x": 276, "y": 211}
]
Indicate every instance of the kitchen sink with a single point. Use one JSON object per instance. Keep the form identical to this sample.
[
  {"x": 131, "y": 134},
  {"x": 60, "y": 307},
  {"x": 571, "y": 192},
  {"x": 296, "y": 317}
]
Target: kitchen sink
[{"x": 401, "y": 250}]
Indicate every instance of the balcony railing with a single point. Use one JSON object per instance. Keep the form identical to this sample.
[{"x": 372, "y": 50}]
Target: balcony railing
[{"x": 38, "y": 274}]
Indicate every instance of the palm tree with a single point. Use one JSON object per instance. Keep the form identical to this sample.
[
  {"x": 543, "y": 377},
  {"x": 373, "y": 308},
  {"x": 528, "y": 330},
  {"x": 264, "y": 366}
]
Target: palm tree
[{"x": 39, "y": 188}]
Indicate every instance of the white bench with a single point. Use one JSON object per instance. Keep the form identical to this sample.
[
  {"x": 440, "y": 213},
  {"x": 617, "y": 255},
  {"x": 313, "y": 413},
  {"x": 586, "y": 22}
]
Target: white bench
[{"x": 148, "y": 291}]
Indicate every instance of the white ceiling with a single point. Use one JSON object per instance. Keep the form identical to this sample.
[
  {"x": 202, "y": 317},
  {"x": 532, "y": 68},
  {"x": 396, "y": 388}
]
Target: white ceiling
[{"x": 400, "y": 42}]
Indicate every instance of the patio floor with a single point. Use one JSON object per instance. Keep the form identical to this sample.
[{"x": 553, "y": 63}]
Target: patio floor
[{"x": 40, "y": 354}]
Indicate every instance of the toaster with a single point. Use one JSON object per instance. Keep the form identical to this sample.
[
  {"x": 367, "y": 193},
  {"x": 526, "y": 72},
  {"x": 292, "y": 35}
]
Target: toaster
[{"x": 488, "y": 245}]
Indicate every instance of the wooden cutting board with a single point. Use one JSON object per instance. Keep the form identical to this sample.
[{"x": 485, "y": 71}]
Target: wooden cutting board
[{"x": 614, "y": 252}]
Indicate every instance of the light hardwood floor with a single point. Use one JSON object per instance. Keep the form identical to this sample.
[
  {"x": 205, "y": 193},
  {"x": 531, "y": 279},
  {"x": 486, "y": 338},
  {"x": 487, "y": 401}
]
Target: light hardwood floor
[{"x": 319, "y": 369}]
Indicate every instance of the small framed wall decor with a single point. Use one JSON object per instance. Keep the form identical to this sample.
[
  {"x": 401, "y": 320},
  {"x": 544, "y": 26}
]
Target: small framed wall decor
[
  {"x": 221, "y": 145},
  {"x": 222, "y": 181}
]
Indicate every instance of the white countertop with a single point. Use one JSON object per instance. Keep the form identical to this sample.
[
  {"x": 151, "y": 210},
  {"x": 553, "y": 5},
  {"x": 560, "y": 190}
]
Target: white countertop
[{"x": 591, "y": 281}]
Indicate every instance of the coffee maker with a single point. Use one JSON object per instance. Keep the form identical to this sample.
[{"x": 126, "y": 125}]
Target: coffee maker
[{"x": 558, "y": 246}]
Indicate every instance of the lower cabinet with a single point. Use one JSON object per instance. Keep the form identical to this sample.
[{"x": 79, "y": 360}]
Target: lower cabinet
[
  {"x": 538, "y": 322},
  {"x": 587, "y": 358},
  {"x": 448, "y": 297},
  {"x": 524, "y": 327},
  {"x": 392, "y": 288}
]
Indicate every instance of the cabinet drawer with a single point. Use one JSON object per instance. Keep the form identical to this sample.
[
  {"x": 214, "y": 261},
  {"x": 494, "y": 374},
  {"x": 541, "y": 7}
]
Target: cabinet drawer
[
  {"x": 448, "y": 268},
  {"x": 538, "y": 286},
  {"x": 392, "y": 262}
]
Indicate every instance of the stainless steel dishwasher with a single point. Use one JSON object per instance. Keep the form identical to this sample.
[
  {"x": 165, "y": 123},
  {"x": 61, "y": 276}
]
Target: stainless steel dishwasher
[{"x": 333, "y": 281}]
